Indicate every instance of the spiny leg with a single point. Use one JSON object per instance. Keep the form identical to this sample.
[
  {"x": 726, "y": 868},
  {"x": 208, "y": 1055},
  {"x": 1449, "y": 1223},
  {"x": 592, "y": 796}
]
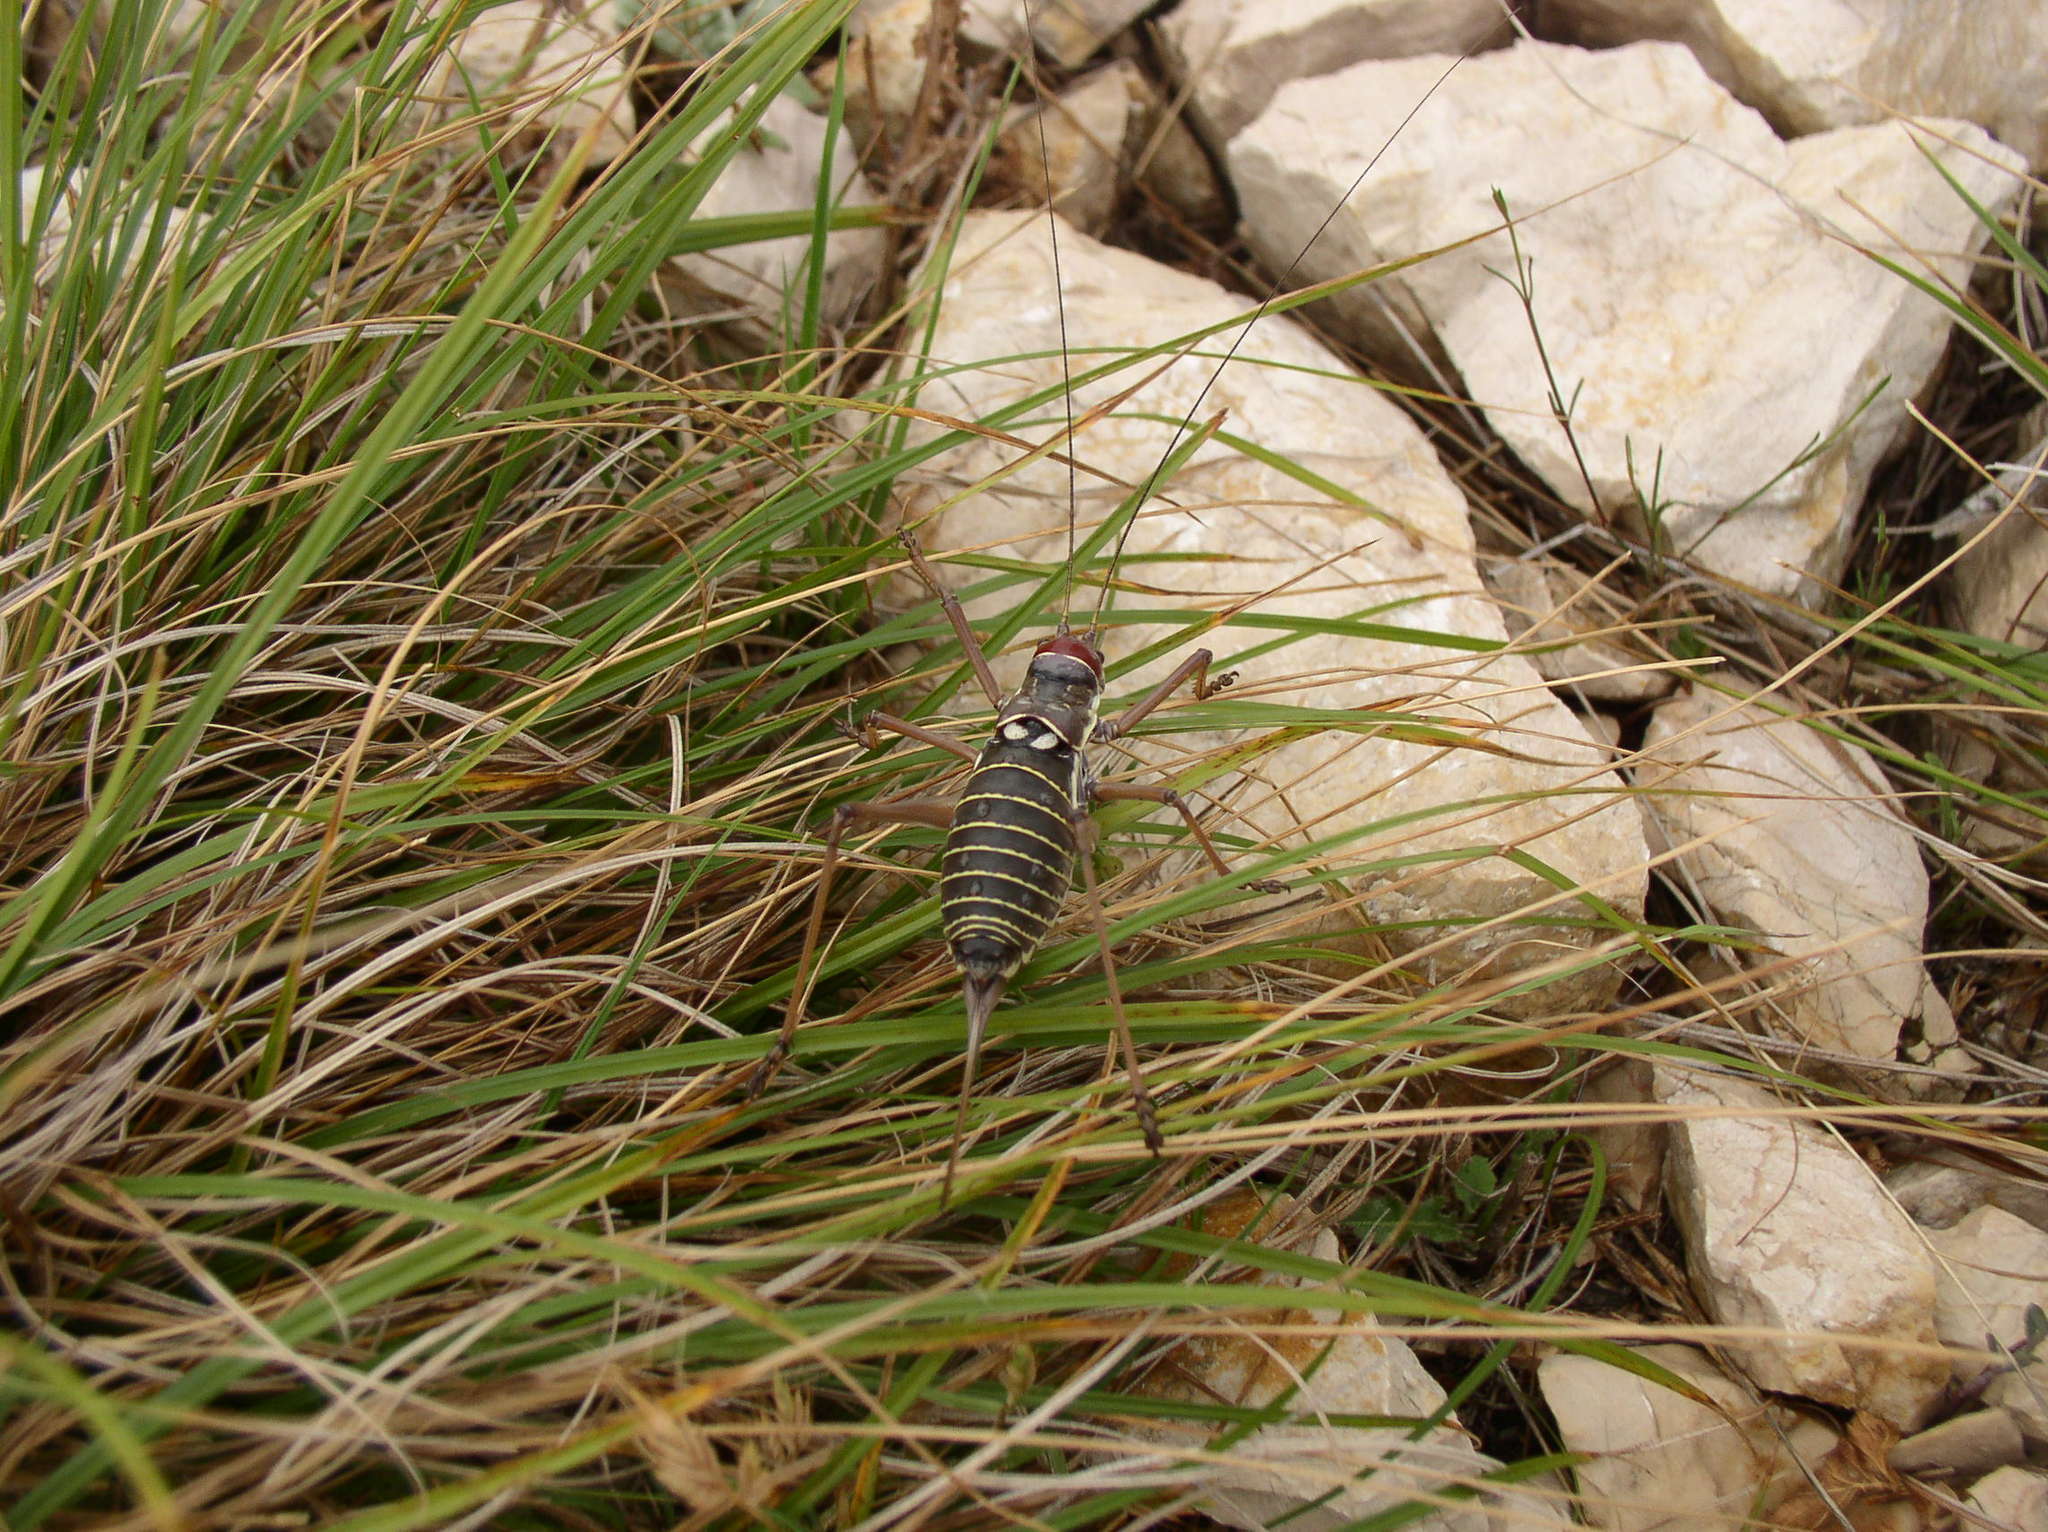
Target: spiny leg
[
  {"x": 865, "y": 730},
  {"x": 1195, "y": 665},
  {"x": 931, "y": 812},
  {"x": 1132, "y": 792},
  {"x": 950, "y": 605},
  {"x": 1141, "y": 1098}
]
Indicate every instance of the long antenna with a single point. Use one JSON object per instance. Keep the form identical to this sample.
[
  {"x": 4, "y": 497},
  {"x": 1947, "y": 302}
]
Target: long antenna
[
  {"x": 1151, "y": 485},
  {"x": 1028, "y": 64}
]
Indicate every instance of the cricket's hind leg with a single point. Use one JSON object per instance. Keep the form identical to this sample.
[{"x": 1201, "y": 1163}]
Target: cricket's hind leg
[
  {"x": 1141, "y": 1097},
  {"x": 931, "y": 812},
  {"x": 1132, "y": 792}
]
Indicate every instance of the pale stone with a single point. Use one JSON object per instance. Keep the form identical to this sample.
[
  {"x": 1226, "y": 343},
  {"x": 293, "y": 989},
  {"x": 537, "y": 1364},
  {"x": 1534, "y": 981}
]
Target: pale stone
[
  {"x": 178, "y": 25},
  {"x": 1104, "y": 133},
  {"x": 1634, "y": 1150},
  {"x": 64, "y": 209},
  {"x": 2023, "y": 1393},
  {"x": 1998, "y": 585},
  {"x": 885, "y": 64},
  {"x": 1786, "y": 1230},
  {"x": 1695, "y": 282},
  {"x": 1993, "y": 1267},
  {"x": 1989, "y": 827},
  {"x": 2011, "y": 1498},
  {"x": 777, "y": 173},
  {"x": 1798, "y": 840},
  {"x": 1547, "y": 603},
  {"x": 1963, "y": 1446},
  {"x": 1076, "y": 146},
  {"x": 1943, "y": 1186},
  {"x": 1823, "y": 64},
  {"x": 1935, "y": 1196},
  {"x": 1174, "y": 169},
  {"x": 1282, "y": 1472},
  {"x": 1069, "y": 30},
  {"x": 533, "y": 73},
  {"x": 1231, "y": 535},
  {"x": 1236, "y": 55},
  {"x": 1657, "y": 1461}
]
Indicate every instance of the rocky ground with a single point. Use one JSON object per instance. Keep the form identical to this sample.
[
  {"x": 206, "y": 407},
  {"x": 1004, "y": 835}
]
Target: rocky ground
[
  {"x": 1646, "y": 401},
  {"x": 1657, "y": 254}
]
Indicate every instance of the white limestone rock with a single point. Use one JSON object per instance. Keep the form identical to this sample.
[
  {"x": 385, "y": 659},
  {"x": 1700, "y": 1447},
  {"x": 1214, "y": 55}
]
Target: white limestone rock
[
  {"x": 1993, "y": 1267},
  {"x": 2023, "y": 1394},
  {"x": 1943, "y": 1186},
  {"x": 778, "y": 173},
  {"x": 1076, "y": 145},
  {"x": 121, "y": 223},
  {"x": 1104, "y": 133},
  {"x": 179, "y": 27},
  {"x": 1694, "y": 287},
  {"x": 534, "y": 74},
  {"x": 1069, "y": 30},
  {"x": 1998, "y": 586},
  {"x": 1280, "y": 1474},
  {"x": 1173, "y": 167},
  {"x": 1236, "y": 55},
  {"x": 1798, "y": 840},
  {"x": 1634, "y": 1150},
  {"x": 885, "y": 64},
  {"x": 1237, "y": 537},
  {"x": 2011, "y": 1498},
  {"x": 1823, "y": 64},
  {"x": 1787, "y": 1230},
  {"x": 1963, "y": 1446},
  {"x": 1657, "y": 1461},
  {"x": 1548, "y": 603}
]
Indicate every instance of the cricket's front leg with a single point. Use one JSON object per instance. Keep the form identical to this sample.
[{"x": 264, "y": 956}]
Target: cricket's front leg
[
  {"x": 868, "y": 729},
  {"x": 1195, "y": 667}
]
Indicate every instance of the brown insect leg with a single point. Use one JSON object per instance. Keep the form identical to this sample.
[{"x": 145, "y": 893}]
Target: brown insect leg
[
  {"x": 866, "y": 729},
  {"x": 931, "y": 812},
  {"x": 1195, "y": 665},
  {"x": 1131, "y": 792},
  {"x": 950, "y": 605},
  {"x": 1141, "y": 1098}
]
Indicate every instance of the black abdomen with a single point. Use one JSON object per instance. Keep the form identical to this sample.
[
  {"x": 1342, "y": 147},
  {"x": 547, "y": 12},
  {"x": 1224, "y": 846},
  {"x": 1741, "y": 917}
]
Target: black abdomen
[{"x": 1009, "y": 857}]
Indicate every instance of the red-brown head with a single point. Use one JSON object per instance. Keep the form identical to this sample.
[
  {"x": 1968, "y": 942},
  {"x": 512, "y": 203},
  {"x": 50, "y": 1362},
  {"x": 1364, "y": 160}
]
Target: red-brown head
[
  {"x": 1061, "y": 690},
  {"x": 1073, "y": 648}
]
